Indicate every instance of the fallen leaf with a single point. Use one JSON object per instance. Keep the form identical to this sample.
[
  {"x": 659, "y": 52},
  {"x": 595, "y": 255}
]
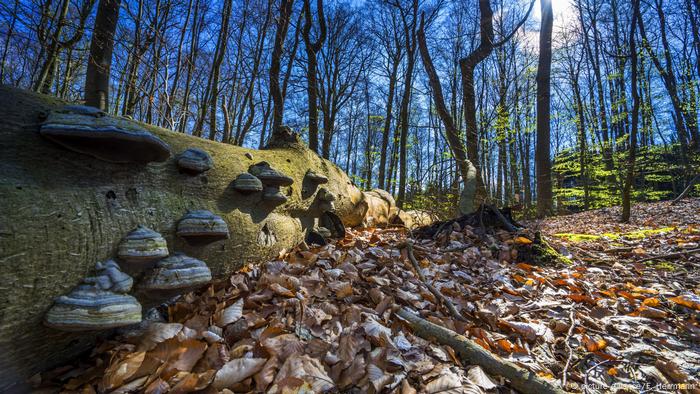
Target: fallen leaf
[
  {"x": 231, "y": 313},
  {"x": 236, "y": 370},
  {"x": 118, "y": 373}
]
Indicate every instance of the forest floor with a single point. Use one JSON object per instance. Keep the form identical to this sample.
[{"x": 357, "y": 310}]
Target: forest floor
[{"x": 623, "y": 317}]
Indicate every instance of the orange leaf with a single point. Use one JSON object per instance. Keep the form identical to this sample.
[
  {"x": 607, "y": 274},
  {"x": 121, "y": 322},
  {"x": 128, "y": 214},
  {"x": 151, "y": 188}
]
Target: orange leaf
[
  {"x": 652, "y": 313},
  {"x": 612, "y": 371},
  {"x": 691, "y": 301},
  {"x": 522, "y": 241},
  {"x": 519, "y": 278},
  {"x": 505, "y": 345},
  {"x": 653, "y": 301},
  {"x": 581, "y": 298},
  {"x": 594, "y": 345},
  {"x": 482, "y": 343},
  {"x": 525, "y": 267}
]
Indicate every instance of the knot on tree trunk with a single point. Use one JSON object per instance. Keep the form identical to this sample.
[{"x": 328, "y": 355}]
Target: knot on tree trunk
[{"x": 285, "y": 137}]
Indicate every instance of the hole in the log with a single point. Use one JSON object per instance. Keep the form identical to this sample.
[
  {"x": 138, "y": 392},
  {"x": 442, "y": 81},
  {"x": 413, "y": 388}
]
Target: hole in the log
[
  {"x": 18, "y": 187},
  {"x": 204, "y": 179},
  {"x": 132, "y": 195},
  {"x": 111, "y": 195},
  {"x": 266, "y": 237},
  {"x": 332, "y": 222}
]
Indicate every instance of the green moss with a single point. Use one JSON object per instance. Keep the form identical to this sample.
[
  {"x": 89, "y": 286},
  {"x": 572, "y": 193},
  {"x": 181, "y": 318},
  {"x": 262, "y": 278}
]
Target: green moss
[
  {"x": 578, "y": 237},
  {"x": 639, "y": 234},
  {"x": 663, "y": 265}
]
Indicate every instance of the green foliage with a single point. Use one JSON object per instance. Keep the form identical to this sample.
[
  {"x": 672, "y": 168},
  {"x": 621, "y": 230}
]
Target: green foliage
[
  {"x": 432, "y": 200},
  {"x": 660, "y": 174}
]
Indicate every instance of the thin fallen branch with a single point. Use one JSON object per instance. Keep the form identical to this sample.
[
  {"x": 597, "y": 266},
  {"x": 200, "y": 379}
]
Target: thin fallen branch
[
  {"x": 669, "y": 255},
  {"x": 470, "y": 353},
  {"x": 685, "y": 191},
  {"x": 441, "y": 298},
  {"x": 572, "y": 317}
]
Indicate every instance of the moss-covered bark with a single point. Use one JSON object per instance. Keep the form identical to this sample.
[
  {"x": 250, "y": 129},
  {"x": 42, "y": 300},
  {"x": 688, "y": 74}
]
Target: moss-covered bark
[{"x": 61, "y": 211}]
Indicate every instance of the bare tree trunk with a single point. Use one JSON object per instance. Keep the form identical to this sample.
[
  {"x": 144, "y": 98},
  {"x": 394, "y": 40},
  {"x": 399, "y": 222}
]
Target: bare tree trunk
[
  {"x": 312, "y": 47},
  {"x": 191, "y": 60},
  {"x": 410, "y": 43},
  {"x": 221, "y": 52},
  {"x": 170, "y": 100},
  {"x": 543, "y": 164},
  {"x": 8, "y": 37},
  {"x": 629, "y": 180},
  {"x": 275, "y": 91},
  {"x": 100, "y": 59},
  {"x": 387, "y": 121},
  {"x": 466, "y": 169}
]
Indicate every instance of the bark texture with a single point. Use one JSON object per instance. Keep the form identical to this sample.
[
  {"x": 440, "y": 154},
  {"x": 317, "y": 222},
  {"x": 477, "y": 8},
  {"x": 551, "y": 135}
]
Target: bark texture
[{"x": 62, "y": 211}]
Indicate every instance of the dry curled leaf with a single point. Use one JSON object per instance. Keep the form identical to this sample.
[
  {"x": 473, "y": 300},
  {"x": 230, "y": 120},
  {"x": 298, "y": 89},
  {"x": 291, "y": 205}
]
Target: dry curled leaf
[{"x": 236, "y": 370}]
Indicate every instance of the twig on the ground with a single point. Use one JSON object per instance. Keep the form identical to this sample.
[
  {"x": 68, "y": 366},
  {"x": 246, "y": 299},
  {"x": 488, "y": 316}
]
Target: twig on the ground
[
  {"x": 669, "y": 255},
  {"x": 441, "y": 298},
  {"x": 470, "y": 353},
  {"x": 568, "y": 347},
  {"x": 585, "y": 378}
]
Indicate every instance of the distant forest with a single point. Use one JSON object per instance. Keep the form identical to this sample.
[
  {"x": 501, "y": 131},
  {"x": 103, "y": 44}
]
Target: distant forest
[{"x": 363, "y": 82}]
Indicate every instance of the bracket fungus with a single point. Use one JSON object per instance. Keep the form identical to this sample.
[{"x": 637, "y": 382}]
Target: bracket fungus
[
  {"x": 110, "y": 277},
  {"x": 176, "y": 272},
  {"x": 82, "y": 110},
  {"x": 85, "y": 130},
  {"x": 194, "y": 161},
  {"x": 274, "y": 195},
  {"x": 316, "y": 177},
  {"x": 326, "y": 199},
  {"x": 90, "y": 308},
  {"x": 269, "y": 176},
  {"x": 247, "y": 183},
  {"x": 142, "y": 245},
  {"x": 201, "y": 227}
]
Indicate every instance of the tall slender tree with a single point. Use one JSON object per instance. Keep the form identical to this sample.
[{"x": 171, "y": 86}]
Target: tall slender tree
[
  {"x": 100, "y": 58},
  {"x": 543, "y": 163},
  {"x": 312, "y": 48}
]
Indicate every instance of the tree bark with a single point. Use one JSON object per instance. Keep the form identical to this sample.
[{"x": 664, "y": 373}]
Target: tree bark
[
  {"x": 543, "y": 164},
  {"x": 100, "y": 58},
  {"x": 467, "y": 171},
  {"x": 222, "y": 43},
  {"x": 312, "y": 48},
  {"x": 634, "y": 73},
  {"x": 275, "y": 90},
  {"x": 61, "y": 217}
]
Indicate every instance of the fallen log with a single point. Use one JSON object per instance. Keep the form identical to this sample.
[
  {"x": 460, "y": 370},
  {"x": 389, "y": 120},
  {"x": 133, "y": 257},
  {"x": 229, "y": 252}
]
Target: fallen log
[
  {"x": 470, "y": 353},
  {"x": 63, "y": 211}
]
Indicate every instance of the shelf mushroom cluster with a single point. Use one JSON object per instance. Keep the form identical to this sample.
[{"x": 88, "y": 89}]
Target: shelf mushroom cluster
[
  {"x": 261, "y": 177},
  {"x": 101, "y": 301}
]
